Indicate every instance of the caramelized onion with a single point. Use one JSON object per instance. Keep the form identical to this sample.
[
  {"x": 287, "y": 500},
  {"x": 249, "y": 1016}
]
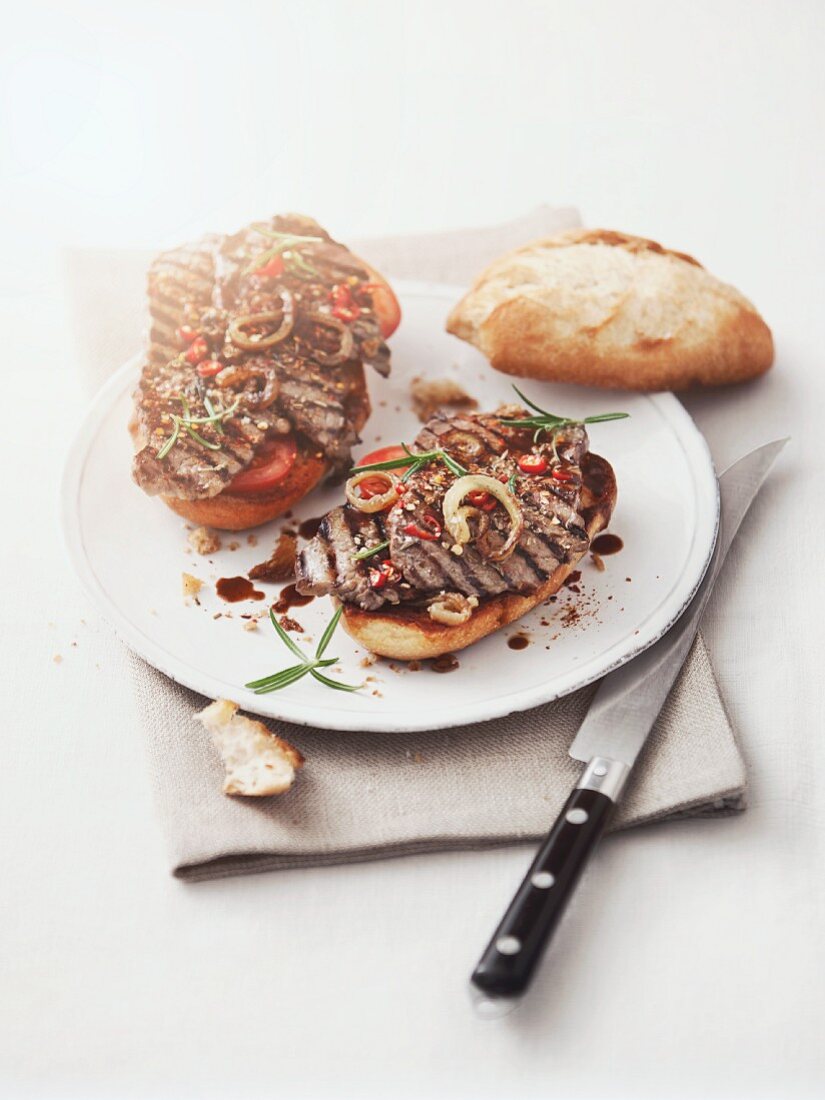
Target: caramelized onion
[
  {"x": 252, "y": 342},
  {"x": 375, "y": 503},
  {"x": 238, "y": 379},
  {"x": 456, "y": 516},
  {"x": 452, "y": 608},
  {"x": 345, "y": 348}
]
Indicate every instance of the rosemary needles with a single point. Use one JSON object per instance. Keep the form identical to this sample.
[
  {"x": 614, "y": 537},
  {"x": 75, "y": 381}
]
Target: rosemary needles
[{"x": 307, "y": 666}]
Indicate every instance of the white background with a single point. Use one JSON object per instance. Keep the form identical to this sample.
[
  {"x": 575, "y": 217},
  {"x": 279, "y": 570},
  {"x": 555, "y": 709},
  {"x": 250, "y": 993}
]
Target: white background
[{"x": 690, "y": 965}]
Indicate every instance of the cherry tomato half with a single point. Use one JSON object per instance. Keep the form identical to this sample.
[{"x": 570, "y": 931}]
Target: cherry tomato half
[
  {"x": 384, "y": 302},
  {"x": 272, "y": 269},
  {"x": 268, "y": 468},
  {"x": 384, "y": 454}
]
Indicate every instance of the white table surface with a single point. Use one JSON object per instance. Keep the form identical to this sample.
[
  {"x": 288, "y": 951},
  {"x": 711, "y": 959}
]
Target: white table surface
[{"x": 691, "y": 962}]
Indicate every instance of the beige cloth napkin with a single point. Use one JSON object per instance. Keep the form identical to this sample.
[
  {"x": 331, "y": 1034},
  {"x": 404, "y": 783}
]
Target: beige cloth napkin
[{"x": 366, "y": 795}]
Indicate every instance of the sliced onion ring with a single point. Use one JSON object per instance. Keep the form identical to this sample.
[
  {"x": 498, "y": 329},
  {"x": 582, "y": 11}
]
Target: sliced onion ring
[
  {"x": 241, "y": 339},
  {"x": 376, "y": 503},
  {"x": 345, "y": 348},
  {"x": 456, "y": 516},
  {"x": 452, "y": 608},
  {"x": 240, "y": 376}
]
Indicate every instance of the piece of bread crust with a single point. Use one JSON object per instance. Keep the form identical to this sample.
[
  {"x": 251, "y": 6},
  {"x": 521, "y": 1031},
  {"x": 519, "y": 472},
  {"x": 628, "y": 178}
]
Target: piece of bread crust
[
  {"x": 604, "y": 308},
  {"x": 257, "y": 762},
  {"x": 409, "y": 634}
]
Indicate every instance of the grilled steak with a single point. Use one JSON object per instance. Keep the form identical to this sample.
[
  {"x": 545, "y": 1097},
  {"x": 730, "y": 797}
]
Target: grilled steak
[
  {"x": 422, "y": 560},
  {"x": 180, "y": 286},
  {"x": 253, "y": 336}
]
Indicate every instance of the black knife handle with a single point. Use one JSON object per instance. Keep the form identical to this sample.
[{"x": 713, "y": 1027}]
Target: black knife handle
[{"x": 512, "y": 955}]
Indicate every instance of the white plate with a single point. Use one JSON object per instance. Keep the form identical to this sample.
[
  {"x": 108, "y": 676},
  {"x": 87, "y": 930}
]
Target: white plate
[{"x": 128, "y": 550}]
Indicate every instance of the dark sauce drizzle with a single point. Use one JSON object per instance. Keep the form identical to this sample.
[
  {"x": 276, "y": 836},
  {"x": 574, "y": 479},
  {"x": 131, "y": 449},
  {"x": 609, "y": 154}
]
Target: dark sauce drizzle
[
  {"x": 290, "y": 597},
  {"x": 309, "y": 528},
  {"x": 447, "y": 662},
  {"x": 606, "y": 544},
  {"x": 235, "y": 589}
]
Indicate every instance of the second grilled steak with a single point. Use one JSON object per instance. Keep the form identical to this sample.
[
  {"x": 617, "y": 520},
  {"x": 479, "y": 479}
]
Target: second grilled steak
[{"x": 425, "y": 560}]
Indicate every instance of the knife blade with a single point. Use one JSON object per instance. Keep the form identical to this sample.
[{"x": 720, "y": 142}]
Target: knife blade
[{"x": 618, "y": 722}]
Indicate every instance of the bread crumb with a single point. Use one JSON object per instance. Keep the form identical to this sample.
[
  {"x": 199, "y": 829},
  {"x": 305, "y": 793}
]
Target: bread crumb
[
  {"x": 251, "y": 624},
  {"x": 252, "y": 540},
  {"x": 234, "y": 545},
  {"x": 368, "y": 662},
  {"x": 291, "y": 624},
  {"x": 257, "y": 762},
  {"x": 57, "y": 658},
  {"x": 204, "y": 541},
  {"x": 430, "y": 394},
  {"x": 190, "y": 585}
]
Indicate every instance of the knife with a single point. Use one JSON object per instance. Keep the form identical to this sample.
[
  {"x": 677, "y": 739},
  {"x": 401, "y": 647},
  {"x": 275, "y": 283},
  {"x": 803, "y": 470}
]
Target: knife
[{"x": 609, "y": 741}]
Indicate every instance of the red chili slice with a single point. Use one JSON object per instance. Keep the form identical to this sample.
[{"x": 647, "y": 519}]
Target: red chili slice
[
  {"x": 186, "y": 334},
  {"x": 374, "y": 487},
  {"x": 343, "y": 306},
  {"x": 479, "y": 498},
  {"x": 272, "y": 269},
  {"x": 429, "y": 529},
  {"x": 532, "y": 464},
  {"x": 209, "y": 368},
  {"x": 385, "y": 573},
  {"x": 198, "y": 350},
  {"x": 560, "y": 474}
]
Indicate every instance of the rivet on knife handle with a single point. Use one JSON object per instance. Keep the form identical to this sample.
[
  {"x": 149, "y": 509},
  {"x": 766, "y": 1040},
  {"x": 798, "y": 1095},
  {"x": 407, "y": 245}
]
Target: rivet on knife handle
[{"x": 511, "y": 957}]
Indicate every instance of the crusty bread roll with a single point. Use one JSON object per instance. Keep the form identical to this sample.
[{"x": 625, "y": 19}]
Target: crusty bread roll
[
  {"x": 606, "y": 309},
  {"x": 408, "y": 634}
]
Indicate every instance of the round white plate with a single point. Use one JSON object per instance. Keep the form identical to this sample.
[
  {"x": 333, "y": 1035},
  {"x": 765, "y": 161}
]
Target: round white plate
[{"x": 130, "y": 550}]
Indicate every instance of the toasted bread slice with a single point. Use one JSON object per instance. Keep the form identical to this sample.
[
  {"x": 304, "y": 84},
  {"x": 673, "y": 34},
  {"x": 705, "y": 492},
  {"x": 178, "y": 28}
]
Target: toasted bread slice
[{"x": 407, "y": 633}]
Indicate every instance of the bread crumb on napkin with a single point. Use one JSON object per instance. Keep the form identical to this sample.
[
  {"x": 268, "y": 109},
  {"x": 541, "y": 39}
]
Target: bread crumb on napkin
[{"x": 257, "y": 763}]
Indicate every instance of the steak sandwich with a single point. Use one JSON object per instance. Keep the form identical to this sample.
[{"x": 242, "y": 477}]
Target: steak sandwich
[
  {"x": 440, "y": 544},
  {"x": 254, "y": 389}
]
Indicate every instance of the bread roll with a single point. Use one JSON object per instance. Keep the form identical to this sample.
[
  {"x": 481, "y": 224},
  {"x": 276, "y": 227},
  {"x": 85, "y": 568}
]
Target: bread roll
[{"x": 603, "y": 308}]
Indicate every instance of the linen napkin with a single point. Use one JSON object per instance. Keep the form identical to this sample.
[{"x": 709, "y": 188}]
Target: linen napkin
[{"x": 366, "y": 795}]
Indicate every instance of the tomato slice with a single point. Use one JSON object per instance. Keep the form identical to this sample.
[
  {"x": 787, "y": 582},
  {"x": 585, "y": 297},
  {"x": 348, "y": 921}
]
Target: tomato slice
[
  {"x": 268, "y": 468},
  {"x": 384, "y": 302},
  {"x": 383, "y": 454}
]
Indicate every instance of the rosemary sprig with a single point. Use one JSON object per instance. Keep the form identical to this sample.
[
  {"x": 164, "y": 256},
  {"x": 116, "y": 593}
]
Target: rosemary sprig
[
  {"x": 548, "y": 422},
  {"x": 215, "y": 417},
  {"x": 415, "y": 462},
  {"x": 362, "y": 555},
  {"x": 283, "y": 241},
  {"x": 308, "y": 665},
  {"x": 299, "y": 263}
]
